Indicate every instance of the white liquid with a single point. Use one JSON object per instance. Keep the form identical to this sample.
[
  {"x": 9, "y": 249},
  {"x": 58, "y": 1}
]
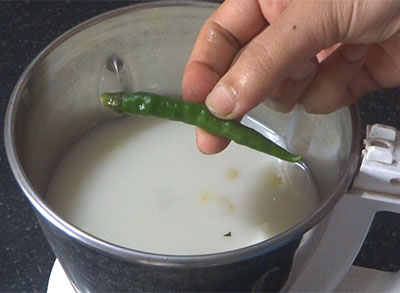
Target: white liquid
[{"x": 142, "y": 183}]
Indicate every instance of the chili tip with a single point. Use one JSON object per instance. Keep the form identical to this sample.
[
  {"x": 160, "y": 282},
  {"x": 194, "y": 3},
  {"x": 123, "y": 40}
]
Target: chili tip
[
  {"x": 294, "y": 159},
  {"x": 112, "y": 101}
]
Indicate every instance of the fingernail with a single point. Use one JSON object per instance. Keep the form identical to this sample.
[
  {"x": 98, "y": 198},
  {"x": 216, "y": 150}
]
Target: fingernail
[
  {"x": 304, "y": 71},
  {"x": 220, "y": 101},
  {"x": 354, "y": 53}
]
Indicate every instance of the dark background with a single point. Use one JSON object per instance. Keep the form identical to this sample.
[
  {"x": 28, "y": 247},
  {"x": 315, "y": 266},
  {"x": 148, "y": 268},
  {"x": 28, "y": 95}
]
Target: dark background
[{"x": 26, "y": 27}]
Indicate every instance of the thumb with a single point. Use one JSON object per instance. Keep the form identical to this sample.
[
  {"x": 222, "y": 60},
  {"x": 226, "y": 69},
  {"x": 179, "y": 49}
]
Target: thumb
[{"x": 292, "y": 40}]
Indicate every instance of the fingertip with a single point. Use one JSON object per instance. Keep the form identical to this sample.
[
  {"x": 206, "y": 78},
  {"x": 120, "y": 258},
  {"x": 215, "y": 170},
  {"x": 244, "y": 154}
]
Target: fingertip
[
  {"x": 333, "y": 86},
  {"x": 279, "y": 107},
  {"x": 209, "y": 143},
  {"x": 304, "y": 71},
  {"x": 355, "y": 53},
  {"x": 221, "y": 101},
  {"x": 314, "y": 108},
  {"x": 285, "y": 98}
]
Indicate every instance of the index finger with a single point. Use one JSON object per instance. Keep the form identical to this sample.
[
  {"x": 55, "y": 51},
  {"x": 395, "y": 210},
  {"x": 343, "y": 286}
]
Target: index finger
[{"x": 232, "y": 25}]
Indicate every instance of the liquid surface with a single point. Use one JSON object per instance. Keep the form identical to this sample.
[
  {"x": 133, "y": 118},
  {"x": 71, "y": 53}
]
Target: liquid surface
[{"x": 142, "y": 183}]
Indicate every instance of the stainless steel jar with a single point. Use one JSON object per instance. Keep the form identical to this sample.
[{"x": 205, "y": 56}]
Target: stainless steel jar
[{"x": 56, "y": 101}]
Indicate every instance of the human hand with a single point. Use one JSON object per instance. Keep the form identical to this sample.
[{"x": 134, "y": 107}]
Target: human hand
[{"x": 320, "y": 54}]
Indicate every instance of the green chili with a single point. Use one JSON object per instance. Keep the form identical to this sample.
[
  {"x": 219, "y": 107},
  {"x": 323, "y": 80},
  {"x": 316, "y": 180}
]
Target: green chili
[{"x": 149, "y": 104}]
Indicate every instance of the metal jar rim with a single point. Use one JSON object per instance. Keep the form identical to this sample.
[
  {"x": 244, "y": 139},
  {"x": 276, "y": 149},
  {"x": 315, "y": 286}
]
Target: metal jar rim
[{"x": 131, "y": 255}]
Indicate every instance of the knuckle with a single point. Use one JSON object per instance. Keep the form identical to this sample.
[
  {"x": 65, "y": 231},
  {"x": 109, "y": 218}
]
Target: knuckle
[
  {"x": 215, "y": 30},
  {"x": 325, "y": 20},
  {"x": 272, "y": 8},
  {"x": 261, "y": 60},
  {"x": 325, "y": 25}
]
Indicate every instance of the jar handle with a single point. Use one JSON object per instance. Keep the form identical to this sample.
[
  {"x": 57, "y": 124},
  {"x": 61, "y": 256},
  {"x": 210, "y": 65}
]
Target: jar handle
[
  {"x": 376, "y": 188},
  {"x": 344, "y": 235}
]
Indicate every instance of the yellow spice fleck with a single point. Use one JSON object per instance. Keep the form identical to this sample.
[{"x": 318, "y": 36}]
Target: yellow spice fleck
[
  {"x": 227, "y": 203},
  {"x": 233, "y": 173},
  {"x": 206, "y": 197},
  {"x": 275, "y": 179}
]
